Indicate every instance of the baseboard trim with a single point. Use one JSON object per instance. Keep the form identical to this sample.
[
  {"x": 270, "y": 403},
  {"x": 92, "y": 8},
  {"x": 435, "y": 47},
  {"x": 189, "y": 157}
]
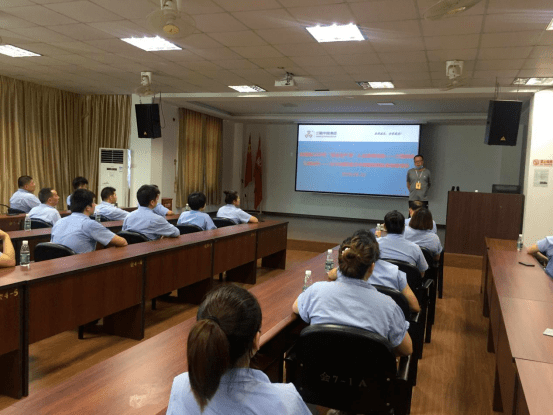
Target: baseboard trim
[{"x": 463, "y": 261}]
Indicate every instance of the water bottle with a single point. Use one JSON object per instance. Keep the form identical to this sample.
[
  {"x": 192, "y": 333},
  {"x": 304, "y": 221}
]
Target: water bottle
[
  {"x": 27, "y": 223},
  {"x": 25, "y": 254},
  {"x": 519, "y": 243},
  {"x": 378, "y": 232},
  {"x": 187, "y": 208},
  {"x": 98, "y": 218},
  {"x": 329, "y": 263},
  {"x": 306, "y": 280}
]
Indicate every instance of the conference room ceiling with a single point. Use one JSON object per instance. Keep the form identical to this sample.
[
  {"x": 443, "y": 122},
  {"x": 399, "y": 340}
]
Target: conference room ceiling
[{"x": 245, "y": 42}]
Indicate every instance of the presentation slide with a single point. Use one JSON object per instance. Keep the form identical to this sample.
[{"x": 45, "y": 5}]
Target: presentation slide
[{"x": 355, "y": 159}]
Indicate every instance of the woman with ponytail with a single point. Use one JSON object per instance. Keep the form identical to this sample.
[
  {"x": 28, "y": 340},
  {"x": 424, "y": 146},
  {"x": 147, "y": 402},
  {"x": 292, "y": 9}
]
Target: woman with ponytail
[
  {"x": 351, "y": 301},
  {"x": 232, "y": 209},
  {"x": 220, "y": 345}
]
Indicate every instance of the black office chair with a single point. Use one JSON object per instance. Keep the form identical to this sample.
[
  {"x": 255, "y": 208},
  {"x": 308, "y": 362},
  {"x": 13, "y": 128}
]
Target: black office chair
[
  {"x": 222, "y": 222},
  {"x": 39, "y": 224},
  {"x": 432, "y": 274},
  {"x": 133, "y": 237},
  {"x": 349, "y": 369},
  {"x": 48, "y": 250},
  {"x": 185, "y": 229},
  {"x": 12, "y": 211},
  {"x": 102, "y": 218},
  {"x": 398, "y": 297}
]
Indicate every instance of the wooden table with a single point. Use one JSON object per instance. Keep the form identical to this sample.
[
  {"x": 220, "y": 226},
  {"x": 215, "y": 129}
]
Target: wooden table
[
  {"x": 138, "y": 380},
  {"x": 485, "y": 287},
  {"x": 65, "y": 293},
  {"x": 534, "y": 386}
]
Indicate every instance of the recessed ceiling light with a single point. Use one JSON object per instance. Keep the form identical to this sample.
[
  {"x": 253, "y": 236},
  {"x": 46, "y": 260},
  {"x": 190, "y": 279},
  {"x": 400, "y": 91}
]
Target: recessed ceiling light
[
  {"x": 247, "y": 88},
  {"x": 382, "y": 104},
  {"x": 16, "y": 52},
  {"x": 533, "y": 81},
  {"x": 375, "y": 85},
  {"x": 151, "y": 44},
  {"x": 550, "y": 25},
  {"x": 335, "y": 33}
]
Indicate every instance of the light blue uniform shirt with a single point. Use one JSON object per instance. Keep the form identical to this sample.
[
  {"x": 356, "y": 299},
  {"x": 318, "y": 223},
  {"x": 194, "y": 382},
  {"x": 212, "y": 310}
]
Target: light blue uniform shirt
[
  {"x": 195, "y": 217},
  {"x": 395, "y": 246},
  {"x": 146, "y": 222},
  {"x": 109, "y": 211},
  {"x": 241, "y": 392},
  {"x": 160, "y": 210},
  {"x": 546, "y": 247},
  {"x": 23, "y": 200},
  {"x": 232, "y": 212},
  {"x": 388, "y": 275},
  {"x": 424, "y": 238},
  {"x": 46, "y": 213},
  {"x": 80, "y": 233},
  {"x": 434, "y": 227},
  {"x": 355, "y": 303}
]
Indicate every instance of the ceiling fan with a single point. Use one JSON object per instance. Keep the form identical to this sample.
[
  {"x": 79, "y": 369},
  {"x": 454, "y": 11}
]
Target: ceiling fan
[
  {"x": 170, "y": 21},
  {"x": 145, "y": 88},
  {"x": 291, "y": 81},
  {"x": 448, "y": 8},
  {"x": 454, "y": 71}
]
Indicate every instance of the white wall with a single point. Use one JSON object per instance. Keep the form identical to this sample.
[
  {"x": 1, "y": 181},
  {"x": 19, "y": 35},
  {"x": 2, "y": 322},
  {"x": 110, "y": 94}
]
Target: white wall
[{"x": 455, "y": 154}]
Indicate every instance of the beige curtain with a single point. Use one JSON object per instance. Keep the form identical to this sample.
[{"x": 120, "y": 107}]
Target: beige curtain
[
  {"x": 54, "y": 135},
  {"x": 199, "y": 154}
]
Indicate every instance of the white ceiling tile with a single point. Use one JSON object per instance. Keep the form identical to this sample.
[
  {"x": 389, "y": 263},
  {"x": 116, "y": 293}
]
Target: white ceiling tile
[
  {"x": 140, "y": 55},
  {"x": 516, "y": 22},
  {"x": 384, "y": 10},
  {"x": 301, "y": 49},
  {"x": 348, "y": 48},
  {"x": 413, "y": 84},
  {"x": 7, "y": 21},
  {"x": 13, "y": 38},
  {"x": 323, "y": 60},
  {"x": 398, "y": 45},
  {"x": 360, "y": 59},
  {"x": 323, "y": 15},
  {"x": 390, "y": 30},
  {"x": 200, "y": 66},
  {"x": 516, "y": 6},
  {"x": 300, "y": 3},
  {"x": 236, "y": 64},
  {"x": 194, "y": 7},
  {"x": 280, "y": 73},
  {"x": 488, "y": 82},
  {"x": 257, "y": 52},
  {"x": 267, "y": 19},
  {"x": 410, "y": 76},
  {"x": 366, "y": 71},
  {"x": 45, "y": 49},
  {"x": 505, "y": 53},
  {"x": 290, "y": 35},
  {"x": 267, "y": 63},
  {"x": 242, "y": 5},
  {"x": 452, "y": 42},
  {"x": 84, "y": 11},
  {"x": 324, "y": 70},
  {"x": 113, "y": 45},
  {"x": 452, "y": 54},
  {"x": 217, "y": 54},
  {"x": 412, "y": 67},
  {"x": 502, "y": 64},
  {"x": 199, "y": 41},
  {"x": 243, "y": 38},
  {"x": 218, "y": 22},
  {"x": 509, "y": 39},
  {"x": 226, "y": 77},
  {"x": 406, "y": 57},
  {"x": 546, "y": 38},
  {"x": 253, "y": 74},
  {"x": 80, "y": 31},
  {"x": 459, "y": 25},
  {"x": 78, "y": 47},
  {"x": 545, "y": 52},
  {"x": 6, "y": 4},
  {"x": 537, "y": 64},
  {"x": 43, "y": 60},
  {"x": 122, "y": 29},
  {"x": 477, "y": 9},
  {"x": 40, "y": 15},
  {"x": 128, "y": 9},
  {"x": 541, "y": 72},
  {"x": 334, "y": 78},
  {"x": 495, "y": 74},
  {"x": 42, "y": 34}
]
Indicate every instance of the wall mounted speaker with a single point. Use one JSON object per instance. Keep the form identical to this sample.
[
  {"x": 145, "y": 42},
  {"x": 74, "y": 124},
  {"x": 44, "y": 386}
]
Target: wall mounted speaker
[
  {"x": 147, "y": 120},
  {"x": 502, "y": 124}
]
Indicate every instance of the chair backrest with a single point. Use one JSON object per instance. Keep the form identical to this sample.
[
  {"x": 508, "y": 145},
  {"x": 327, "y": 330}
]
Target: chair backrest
[
  {"x": 48, "y": 250},
  {"x": 398, "y": 297},
  {"x": 39, "y": 224},
  {"x": 12, "y": 211},
  {"x": 222, "y": 222},
  {"x": 132, "y": 237},
  {"x": 414, "y": 278},
  {"x": 432, "y": 263},
  {"x": 184, "y": 229},
  {"x": 345, "y": 368},
  {"x": 102, "y": 218}
]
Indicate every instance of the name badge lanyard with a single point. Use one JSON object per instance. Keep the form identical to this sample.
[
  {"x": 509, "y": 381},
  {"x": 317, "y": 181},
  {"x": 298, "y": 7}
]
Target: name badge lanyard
[{"x": 418, "y": 185}]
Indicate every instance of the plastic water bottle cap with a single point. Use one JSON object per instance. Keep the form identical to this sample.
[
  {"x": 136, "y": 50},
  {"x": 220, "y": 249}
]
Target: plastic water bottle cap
[
  {"x": 329, "y": 251},
  {"x": 25, "y": 242},
  {"x": 308, "y": 273}
]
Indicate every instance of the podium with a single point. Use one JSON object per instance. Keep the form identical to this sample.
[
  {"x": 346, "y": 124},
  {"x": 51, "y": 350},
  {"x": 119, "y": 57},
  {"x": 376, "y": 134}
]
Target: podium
[{"x": 471, "y": 216}]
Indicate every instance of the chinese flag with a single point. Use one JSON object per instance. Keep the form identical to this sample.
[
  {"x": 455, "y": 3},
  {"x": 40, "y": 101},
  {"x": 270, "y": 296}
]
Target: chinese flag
[
  {"x": 258, "y": 190},
  {"x": 248, "y": 177}
]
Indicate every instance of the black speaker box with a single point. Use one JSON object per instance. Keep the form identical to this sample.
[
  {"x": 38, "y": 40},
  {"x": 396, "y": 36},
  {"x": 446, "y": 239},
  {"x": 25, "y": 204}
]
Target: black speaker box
[
  {"x": 502, "y": 125},
  {"x": 147, "y": 120}
]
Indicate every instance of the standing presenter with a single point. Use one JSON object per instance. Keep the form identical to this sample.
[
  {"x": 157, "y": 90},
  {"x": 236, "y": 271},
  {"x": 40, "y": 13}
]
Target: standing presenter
[{"x": 418, "y": 181}]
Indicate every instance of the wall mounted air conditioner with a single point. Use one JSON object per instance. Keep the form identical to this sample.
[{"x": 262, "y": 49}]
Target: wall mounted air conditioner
[{"x": 115, "y": 171}]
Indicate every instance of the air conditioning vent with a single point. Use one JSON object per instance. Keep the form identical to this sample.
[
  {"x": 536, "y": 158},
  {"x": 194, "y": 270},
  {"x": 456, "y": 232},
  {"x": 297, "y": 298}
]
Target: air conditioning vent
[{"x": 112, "y": 156}]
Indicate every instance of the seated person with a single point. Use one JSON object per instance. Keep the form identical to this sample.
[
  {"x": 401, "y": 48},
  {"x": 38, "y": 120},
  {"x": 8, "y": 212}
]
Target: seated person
[
  {"x": 7, "y": 258},
  {"x": 395, "y": 246},
  {"x": 24, "y": 199},
  {"x": 220, "y": 346},
  {"x": 160, "y": 209},
  {"x": 107, "y": 208},
  {"x": 196, "y": 201},
  {"x": 544, "y": 249},
  {"x": 143, "y": 220},
  {"x": 387, "y": 275},
  {"x": 46, "y": 211},
  {"x": 232, "y": 209},
  {"x": 79, "y": 182},
  {"x": 414, "y": 205},
  {"x": 352, "y": 301},
  {"x": 78, "y": 232},
  {"x": 420, "y": 232}
]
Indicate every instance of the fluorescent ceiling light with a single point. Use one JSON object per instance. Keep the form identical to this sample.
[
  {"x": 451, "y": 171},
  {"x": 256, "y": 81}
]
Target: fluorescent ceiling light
[
  {"x": 247, "y": 88},
  {"x": 550, "y": 25},
  {"x": 151, "y": 44},
  {"x": 382, "y": 104},
  {"x": 375, "y": 85},
  {"x": 16, "y": 52},
  {"x": 533, "y": 81},
  {"x": 335, "y": 33}
]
